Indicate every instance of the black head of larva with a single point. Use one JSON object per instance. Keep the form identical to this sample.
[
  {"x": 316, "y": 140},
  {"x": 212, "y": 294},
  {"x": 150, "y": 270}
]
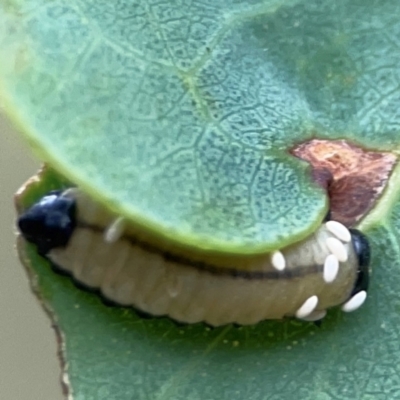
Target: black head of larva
[
  {"x": 49, "y": 223},
  {"x": 363, "y": 252}
]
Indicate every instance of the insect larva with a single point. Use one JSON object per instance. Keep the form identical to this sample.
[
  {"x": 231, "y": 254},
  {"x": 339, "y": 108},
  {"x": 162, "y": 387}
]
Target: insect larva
[{"x": 300, "y": 280}]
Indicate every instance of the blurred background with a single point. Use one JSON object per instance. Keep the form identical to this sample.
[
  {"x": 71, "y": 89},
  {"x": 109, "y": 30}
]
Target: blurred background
[{"x": 29, "y": 367}]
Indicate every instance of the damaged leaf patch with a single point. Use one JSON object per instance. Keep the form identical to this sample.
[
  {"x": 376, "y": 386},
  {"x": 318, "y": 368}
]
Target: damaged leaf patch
[{"x": 353, "y": 177}]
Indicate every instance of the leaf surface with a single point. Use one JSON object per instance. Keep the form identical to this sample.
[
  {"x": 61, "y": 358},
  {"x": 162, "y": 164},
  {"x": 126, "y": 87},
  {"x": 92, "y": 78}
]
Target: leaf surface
[{"x": 181, "y": 115}]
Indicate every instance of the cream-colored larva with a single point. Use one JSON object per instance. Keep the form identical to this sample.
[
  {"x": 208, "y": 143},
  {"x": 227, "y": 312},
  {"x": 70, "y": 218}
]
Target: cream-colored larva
[{"x": 132, "y": 269}]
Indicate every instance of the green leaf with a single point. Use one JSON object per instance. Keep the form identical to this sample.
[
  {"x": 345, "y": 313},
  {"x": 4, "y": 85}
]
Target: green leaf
[
  {"x": 180, "y": 116},
  {"x": 113, "y": 354}
]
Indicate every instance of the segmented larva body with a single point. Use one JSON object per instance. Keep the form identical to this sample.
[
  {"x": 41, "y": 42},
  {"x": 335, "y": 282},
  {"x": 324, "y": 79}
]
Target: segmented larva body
[{"x": 329, "y": 268}]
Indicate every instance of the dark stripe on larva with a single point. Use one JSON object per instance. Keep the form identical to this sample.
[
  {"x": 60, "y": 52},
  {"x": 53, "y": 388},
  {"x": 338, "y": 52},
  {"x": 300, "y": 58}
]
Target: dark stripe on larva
[{"x": 213, "y": 269}]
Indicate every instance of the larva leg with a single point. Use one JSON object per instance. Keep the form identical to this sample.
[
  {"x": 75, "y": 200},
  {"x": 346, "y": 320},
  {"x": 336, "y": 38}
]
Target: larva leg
[
  {"x": 97, "y": 265},
  {"x": 74, "y": 261}
]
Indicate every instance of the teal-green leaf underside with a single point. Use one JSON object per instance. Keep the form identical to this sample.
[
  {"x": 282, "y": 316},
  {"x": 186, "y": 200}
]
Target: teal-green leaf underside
[{"x": 181, "y": 115}]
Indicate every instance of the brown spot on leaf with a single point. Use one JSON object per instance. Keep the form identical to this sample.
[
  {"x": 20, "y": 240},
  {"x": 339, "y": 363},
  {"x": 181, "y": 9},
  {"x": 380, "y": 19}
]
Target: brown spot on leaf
[{"x": 353, "y": 177}]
